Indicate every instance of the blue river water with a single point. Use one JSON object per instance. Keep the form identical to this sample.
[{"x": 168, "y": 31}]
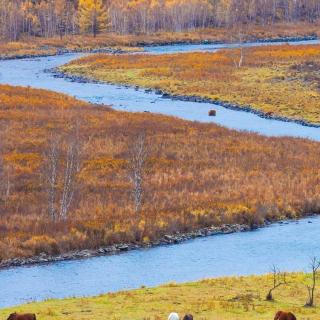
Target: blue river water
[
  {"x": 30, "y": 72},
  {"x": 287, "y": 245}
]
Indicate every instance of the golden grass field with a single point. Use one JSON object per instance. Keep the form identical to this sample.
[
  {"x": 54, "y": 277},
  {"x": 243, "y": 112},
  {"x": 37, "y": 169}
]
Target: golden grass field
[
  {"x": 280, "y": 80},
  {"x": 197, "y": 175},
  {"x": 234, "y": 298},
  {"x": 39, "y": 46}
]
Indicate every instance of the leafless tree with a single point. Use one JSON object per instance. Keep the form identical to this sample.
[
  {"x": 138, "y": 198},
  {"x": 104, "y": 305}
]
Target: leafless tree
[
  {"x": 238, "y": 59},
  {"x": 1, "y": 178},
  {"x": 52, "y": 176},
  {"x": 71, "y": 169},
  {"x": 241, "y": 50},
  {"x": 4, "y": 176},
  {"x": 137, "y": 167},
  {"x": 279, "y": 279},
  {"x": 62, "y": 172},
  {"x": 314, "y": 266}
]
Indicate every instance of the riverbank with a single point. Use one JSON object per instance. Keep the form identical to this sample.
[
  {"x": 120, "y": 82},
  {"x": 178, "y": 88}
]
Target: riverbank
[
  {"x": 222, "y": 298},
  {"x": 50, "y": 52},
  {"x": 232, "y": 106},
  {"x": 44, "y": 258},
  {"x": 277, "y": 82},
  {"x": 110, "y": 42}
]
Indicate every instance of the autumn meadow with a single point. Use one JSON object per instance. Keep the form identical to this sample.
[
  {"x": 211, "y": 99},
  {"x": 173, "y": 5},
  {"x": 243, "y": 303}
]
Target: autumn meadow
[
  {"x": 278, "y": 80},
  {"x": 69, "y": 175},
  {"x": 78, "y": 179}
]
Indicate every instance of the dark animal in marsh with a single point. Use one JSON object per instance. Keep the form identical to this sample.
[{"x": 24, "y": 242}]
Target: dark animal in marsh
[
  {"x": 212, "y": 113},
  {"x": 188, "y": 317},
  {"x": 281, "y": 315},
  {"x": 26, "y": 316}
]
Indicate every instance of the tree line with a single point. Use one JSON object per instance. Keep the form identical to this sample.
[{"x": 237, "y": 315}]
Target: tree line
[{"x": 48, "y": 18}]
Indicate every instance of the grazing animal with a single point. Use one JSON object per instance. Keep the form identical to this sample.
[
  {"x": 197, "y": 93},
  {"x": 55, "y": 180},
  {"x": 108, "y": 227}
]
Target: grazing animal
[
  {"x": 26, "y": 316},
  {"x": 173, "y": 316},
  {"x": 188, "y": 317},
  {"x": 212, "y": 113},
  {"x": 281, "y": 315}
]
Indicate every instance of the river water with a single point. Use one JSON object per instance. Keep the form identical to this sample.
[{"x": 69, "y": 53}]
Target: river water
[
  {"x": 287, "y": 245},
  {"x": 30, "y": 72}
]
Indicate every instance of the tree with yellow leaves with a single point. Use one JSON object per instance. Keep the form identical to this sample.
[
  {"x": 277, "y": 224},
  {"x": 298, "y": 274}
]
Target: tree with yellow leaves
[{"x": 93, "y": 16}]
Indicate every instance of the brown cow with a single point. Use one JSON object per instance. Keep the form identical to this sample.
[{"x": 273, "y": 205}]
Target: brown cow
[
  {"x": 188, "y": 317},
  {"x": 281, "y": 315},
  {"x": 26, "y": 316}
]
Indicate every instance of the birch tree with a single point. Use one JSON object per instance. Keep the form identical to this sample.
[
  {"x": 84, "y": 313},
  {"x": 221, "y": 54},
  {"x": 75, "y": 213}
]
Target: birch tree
[
  {"x": 72, "y": 167},
  {"x": 52, "y": 178},
  {"x": 61, "y": 174},
  {"x": 137, "y": 168}
]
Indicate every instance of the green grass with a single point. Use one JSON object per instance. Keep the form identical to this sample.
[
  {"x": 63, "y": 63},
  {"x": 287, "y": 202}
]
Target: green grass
[{"x": 224, "y": 298}]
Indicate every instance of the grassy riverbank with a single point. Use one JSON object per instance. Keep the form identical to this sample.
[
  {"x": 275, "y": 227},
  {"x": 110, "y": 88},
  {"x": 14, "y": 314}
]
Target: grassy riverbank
[
  {"x": 226, "y": 298},
  {"x": 279, "y": 80},
  {"x": 196, "y": 175},
  {"x": 41, "y": 47}
]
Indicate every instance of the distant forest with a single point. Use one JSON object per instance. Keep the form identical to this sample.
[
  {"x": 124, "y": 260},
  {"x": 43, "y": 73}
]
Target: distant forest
[{"x": 48, "y": 18}]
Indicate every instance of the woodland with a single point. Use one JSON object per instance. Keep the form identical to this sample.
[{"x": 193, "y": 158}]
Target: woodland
[{"x": 50, "y": 18}]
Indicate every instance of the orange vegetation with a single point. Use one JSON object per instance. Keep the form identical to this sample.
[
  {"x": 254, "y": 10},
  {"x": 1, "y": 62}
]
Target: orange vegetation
[
  {"x": 42, "y": 46},
  {"x": 197, "y": 175},
  {"x": 282, "y": 80}
]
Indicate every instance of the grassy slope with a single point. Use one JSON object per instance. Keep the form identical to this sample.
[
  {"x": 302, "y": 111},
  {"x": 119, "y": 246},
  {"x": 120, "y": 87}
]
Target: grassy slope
[
  {"x": 283, "y": 79},
  {"x": 225, "y": 298},
  {"x": 40, "y": 46}
]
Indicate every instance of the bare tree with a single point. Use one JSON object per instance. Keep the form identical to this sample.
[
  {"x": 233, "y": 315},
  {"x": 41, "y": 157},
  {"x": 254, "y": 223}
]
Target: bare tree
[
  {"x": 279, "y": 279},
  {"x": 71, "y": 169},
  {"x": 241, "y": 50},
  {"x": 52, "y": 177},
  {"x": 5, "y": 184},
  {"x": 62, "y": 173},
  {"x": 2, "y": 175},
  {"x": 314, "y": 266},
  {"x": 137, "y": 167},
  {"x": 238, "y": 56}
]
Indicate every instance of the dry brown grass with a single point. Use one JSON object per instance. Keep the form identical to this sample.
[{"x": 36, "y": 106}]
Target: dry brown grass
[
  {"x": 280, "y": 80},
  {"x": 198, "y": 175},
  {"x": 41, "y": 46}
]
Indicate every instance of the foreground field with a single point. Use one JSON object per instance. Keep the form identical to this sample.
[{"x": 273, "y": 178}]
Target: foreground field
[
  {"x": 40, "y": 46},
  {"x": 226, "y": 298},
  {"x": 280, "y": 81},
  {"x": 66, "y": 175}
]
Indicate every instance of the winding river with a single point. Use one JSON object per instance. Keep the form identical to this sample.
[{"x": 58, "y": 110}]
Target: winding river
[
  {"x": 289, "y": 245},
  {"x": 30, "y": 72}
]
